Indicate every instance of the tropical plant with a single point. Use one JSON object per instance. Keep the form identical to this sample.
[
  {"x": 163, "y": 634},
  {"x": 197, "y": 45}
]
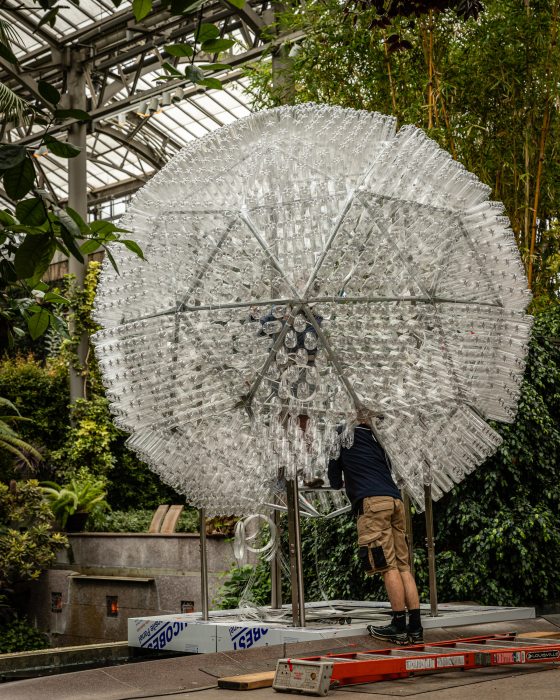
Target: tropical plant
[
  {"x": 28, "y": 544},
  {"x": 12, "y": 106},
  {"x": 39, "y": 391},
  {"x": 20, "y": 635},
  {"x": 83, "y": 493},
  {"x": 10, "y": 441}
]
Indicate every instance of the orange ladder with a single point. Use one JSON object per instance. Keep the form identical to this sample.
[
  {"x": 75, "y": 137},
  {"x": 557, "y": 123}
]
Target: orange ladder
[{"x": 467, "y": 653}]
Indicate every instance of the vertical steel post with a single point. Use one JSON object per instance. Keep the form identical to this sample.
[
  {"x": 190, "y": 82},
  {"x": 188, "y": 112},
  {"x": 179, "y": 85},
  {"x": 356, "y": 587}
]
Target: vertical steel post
[
  {"x": 77, "y": 194},
  {"x": 296, "y": 562},
  {"x": 408, "y": 525},
  {"x": 430, "y": 544},
  {"x": 203, "y": 564},
  {"x": 275, "y": 571},
  {"x": 282, "y": 63}
]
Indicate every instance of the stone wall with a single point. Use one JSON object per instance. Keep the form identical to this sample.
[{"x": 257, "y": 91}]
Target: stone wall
[{"x": 148, "y": 574}]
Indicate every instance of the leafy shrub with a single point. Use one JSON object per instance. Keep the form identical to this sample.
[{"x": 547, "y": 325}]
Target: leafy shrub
[
  {"x": 28, "y": 544},
  {"x": 40, "y": 393},
  {"x": 84, "y": 493},
  {"x": 88, "y": 443},
  {"x": 139, "y": 520},
  {"x": 254, "y": 581},
  {"x": 121, "y": 521},
  {"x": 20, "y": 635}
]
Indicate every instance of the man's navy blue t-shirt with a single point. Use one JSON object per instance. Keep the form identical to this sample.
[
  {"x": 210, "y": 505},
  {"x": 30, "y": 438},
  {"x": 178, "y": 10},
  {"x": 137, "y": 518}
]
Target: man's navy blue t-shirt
[{"x": 362, "y": 469}]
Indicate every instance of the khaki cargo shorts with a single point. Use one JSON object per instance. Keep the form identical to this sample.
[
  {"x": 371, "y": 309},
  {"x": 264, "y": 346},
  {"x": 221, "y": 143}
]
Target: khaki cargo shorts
[{"x": 382, "y": 539}]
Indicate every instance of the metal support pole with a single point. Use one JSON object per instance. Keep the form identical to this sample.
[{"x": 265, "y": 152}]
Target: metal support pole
[
  {"x": 203, "y": 564},
  {"x": 296, "y": 563},
  {"x": 275, "y": 571},
  {"x": 430, "y": 544},
  {"x": 408, "y": 525},
  {"x": 77, "y": 197},
  {"x": 282, "y": 63}
]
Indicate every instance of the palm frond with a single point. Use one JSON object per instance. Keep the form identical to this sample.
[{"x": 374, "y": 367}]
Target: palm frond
[
  {"x": 19, "y": 448},
  {"x": 8, "y": 33},
  {"x": 12, "y": 106},
  {"x": 8, "y": 404}
]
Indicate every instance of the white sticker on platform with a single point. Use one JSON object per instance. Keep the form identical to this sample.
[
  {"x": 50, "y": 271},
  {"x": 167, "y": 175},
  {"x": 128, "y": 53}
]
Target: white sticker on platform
[
  {"x": 447, "y": 661},
  {"x": 420, "y": 664}
]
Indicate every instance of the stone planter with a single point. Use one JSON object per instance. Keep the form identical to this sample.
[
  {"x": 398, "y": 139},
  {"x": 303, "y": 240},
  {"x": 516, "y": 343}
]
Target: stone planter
[{"x": 103, "y": 579}]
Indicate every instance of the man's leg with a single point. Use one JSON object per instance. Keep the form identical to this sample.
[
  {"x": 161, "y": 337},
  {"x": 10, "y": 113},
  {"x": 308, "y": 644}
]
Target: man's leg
[
  {"x": 410, "y": 592},
  {"x": 378, "y": 554},
  {"x": 396, "y": 631},
  {"x": 394, "y": 583}
]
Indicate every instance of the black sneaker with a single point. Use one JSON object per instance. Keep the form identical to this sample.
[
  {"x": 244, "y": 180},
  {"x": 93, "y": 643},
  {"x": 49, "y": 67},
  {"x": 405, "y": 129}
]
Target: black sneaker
[
  {"x": 389, "y": 633},
  {"x": 415, "y": 636}
]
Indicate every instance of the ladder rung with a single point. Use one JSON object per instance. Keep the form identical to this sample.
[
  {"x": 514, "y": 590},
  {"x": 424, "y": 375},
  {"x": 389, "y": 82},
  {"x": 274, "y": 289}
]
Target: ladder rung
[
  {"x": 516, "y": 643},
  {"x": 372, "y": 656},
  {"x": 429, "y": 649}
]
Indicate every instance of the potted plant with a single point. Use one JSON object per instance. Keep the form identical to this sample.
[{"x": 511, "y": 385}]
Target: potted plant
[{"x": 73, "y": 502}]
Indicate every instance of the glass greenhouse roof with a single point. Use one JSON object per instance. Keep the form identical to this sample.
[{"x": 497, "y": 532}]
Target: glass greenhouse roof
[{"x": 138, "y": 123}]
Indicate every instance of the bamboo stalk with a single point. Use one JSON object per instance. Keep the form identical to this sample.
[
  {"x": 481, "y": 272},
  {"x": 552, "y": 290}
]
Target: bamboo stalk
[
  {"x": 430, "y": 71},
  {"x": 390, "y": 75},
  {"x": 545, "y": 128},
  {"x": 526, "y": 218},
  {"x": 446, "y": 119}
]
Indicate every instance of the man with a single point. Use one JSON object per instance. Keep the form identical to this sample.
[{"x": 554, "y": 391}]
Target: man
[{"x": 382, "y": 541}]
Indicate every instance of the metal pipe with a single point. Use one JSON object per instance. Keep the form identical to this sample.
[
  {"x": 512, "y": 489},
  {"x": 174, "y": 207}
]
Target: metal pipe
[
  {"x": 275, "y": 570},
  {"x": 430, "y": 544},
  {"x": 408, "y": 525},
  {"x": 203, "y": 564},
  {"x": 296, "y": 561}
]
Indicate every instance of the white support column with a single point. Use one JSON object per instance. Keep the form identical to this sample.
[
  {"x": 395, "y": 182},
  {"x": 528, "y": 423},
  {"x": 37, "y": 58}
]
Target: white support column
[{"x": 77, "y": 193}]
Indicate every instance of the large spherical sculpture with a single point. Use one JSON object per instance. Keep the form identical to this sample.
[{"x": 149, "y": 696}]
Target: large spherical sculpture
[{"x": 301, "y": 264}]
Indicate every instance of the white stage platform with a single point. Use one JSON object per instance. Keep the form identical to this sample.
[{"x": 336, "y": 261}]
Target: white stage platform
[{"x": 229, "y": 630}]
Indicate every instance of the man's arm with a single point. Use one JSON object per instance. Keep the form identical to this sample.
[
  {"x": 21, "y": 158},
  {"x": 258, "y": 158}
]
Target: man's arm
[{"x": 335, "y": 473}]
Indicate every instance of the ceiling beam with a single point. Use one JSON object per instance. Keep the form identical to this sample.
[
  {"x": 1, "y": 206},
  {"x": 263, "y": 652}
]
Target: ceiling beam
[
  {"x": 24, "y": 80},
  {"x": 143, "y": 150},
  {"x": 129, "y": 102},
  {"x": 248, "y": 15},
  {"x": 21, "y": 15}
]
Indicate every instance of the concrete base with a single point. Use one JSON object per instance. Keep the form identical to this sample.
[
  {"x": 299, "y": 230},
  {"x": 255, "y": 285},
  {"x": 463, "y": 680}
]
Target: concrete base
[{"x": 230, "y": 630}]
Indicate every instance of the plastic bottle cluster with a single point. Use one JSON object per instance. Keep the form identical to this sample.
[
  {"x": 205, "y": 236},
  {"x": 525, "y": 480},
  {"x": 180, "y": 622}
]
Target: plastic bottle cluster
[{"x": 301, "y": 263}]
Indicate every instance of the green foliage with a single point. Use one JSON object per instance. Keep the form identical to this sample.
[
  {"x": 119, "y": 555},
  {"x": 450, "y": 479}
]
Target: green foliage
[
  {"x": 83, "y": 493},
  {"x": 40, "y": 393},
  {"x": 251, "y": 580},
  {"x": 89, "y": 441},
  {"x": 20, "y": 635},
  {"x": 28, "y": 544},
  {"x": 138, "y": 520},
  {"x": 10, "y": 441},
  {"x": 37, "y": 228}
]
